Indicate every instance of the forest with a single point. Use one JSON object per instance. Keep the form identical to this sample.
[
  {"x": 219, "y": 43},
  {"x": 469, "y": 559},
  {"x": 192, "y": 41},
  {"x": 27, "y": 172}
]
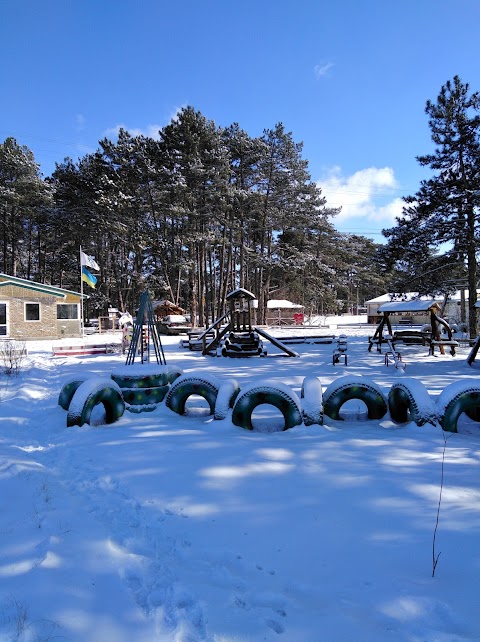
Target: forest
[
  {"x": 191, "y": 216},
  {"x": 201, "y": 210}
]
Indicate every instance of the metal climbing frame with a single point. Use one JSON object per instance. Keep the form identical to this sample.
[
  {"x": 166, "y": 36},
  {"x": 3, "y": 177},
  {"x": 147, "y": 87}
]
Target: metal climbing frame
[{"x": 145, "y": 335}]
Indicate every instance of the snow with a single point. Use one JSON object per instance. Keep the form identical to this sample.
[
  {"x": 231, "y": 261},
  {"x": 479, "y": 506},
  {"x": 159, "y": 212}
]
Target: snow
[
  {"x": 408, "y": 306},
  {"x": 169, "y": 528},
  {"x": 227, "y": 391}
]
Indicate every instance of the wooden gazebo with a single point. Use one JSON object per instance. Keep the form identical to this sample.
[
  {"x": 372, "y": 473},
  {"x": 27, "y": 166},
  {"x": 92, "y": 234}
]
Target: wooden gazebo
[
  {"x": 164, "y": 308},
  {"x": 431, "y": 338}
]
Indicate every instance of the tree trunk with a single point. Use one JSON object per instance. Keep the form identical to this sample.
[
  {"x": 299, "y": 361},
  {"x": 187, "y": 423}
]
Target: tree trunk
[{"x": 472, "y": 273}]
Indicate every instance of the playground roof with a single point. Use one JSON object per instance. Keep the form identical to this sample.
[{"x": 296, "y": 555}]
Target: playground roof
[
  {"x": 408, "y": 306},
  {"x": 240, "y": 293}
]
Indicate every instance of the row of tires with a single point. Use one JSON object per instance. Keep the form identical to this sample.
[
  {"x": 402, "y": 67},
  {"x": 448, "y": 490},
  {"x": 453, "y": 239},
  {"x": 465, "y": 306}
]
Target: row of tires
[{"x": 407, "y": 400}]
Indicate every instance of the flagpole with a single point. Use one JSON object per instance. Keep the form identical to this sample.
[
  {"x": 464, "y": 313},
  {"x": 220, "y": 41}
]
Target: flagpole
[{"x": 82, "y": 322}]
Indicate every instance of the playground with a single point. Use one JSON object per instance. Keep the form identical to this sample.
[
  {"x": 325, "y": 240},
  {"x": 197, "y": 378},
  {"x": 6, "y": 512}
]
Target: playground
[{"x": 173, "y": 524}]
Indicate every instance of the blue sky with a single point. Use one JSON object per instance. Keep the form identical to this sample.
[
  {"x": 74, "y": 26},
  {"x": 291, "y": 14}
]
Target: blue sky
[{"x": 349, "y": 78}]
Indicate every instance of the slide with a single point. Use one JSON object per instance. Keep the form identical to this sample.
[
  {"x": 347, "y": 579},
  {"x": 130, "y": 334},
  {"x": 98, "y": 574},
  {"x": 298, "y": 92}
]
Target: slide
[{"x": 276, "y": 342}]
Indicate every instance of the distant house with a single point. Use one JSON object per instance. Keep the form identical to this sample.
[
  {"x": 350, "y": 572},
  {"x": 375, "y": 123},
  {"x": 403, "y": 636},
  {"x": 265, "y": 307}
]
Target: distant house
[
  {"x": 30, "y": 310},
  {"x": 452, "y": 311},
  {"x": 283, "y": 312}
]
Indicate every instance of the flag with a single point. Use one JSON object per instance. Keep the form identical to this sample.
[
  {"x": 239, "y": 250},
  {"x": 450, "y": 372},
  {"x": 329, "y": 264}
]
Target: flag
[
  {"x": 88, "y": 278},
  {"x": 89, "y": 261}
]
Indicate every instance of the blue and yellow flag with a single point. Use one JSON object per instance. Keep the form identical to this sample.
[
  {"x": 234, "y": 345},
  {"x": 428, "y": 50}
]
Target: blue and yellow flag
[{"x": 88, "y": 278}]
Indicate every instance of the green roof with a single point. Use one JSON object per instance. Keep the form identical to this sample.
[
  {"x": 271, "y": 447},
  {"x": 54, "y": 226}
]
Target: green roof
[{"x": 6, "y": 279}]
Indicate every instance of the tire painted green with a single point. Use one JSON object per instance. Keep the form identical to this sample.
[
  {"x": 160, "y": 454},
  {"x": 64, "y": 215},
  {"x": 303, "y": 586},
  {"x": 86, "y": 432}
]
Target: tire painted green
[
  {"x": 187, "y": 385},
  {"x": 144, "y": 396},
  {"x": 68, "y": 390},
  {"x": 408, "y": 400},
  {"x": 287, "y": 402},
  {"x": 466, "y": 400},
  {"x": 369, "y": 392},
  {"x": 312, "y": 401},
  {"x": 111, "y": 399},
  {"x": 473, "y": 413}
]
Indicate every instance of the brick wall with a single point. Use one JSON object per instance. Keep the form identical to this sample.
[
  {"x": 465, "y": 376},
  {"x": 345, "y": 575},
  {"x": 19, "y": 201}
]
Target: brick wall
[{"x": 48, "y": 327}]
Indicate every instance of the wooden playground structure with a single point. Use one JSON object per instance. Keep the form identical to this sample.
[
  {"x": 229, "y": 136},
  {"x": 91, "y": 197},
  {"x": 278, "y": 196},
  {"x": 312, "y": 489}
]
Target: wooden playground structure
[
  {"x": 431, "y": 338},
  {"x": 235, "y": 333}
]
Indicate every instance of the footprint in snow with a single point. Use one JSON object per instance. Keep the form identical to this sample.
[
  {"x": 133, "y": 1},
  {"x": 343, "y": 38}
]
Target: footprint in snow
[{"x": 275, "y": 626}]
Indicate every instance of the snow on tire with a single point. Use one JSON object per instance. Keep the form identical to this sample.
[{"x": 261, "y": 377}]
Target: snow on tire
[
  {"x": 268, "y": 392},
  {"x": 186, "y": 385},
  {"x": 352, "y": 387},
  {"x": 457, "y": 398},
  {"x": 91, "y": 393},
  {"x": 311, "y": 396},
  {"x": 68, "y": 390},
  {"x": 227, "y": 393},
  {"x": 408, "y": 400}
]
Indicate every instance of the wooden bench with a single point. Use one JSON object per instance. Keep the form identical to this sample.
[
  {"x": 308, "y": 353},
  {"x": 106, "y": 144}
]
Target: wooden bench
[
  {"x": 197, "y": 343},
  {"x": 407, "y": 337},
  {"x": 411, "y": 337},
  {"x": 70, "y": 351},
  {"x": 439, "y": 344}
]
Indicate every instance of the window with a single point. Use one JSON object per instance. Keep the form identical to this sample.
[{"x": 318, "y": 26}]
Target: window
[
  {"x": 3, "y": 319},
  {"x": 32, "y": 311},
  {"x": 67, "y": 311}
]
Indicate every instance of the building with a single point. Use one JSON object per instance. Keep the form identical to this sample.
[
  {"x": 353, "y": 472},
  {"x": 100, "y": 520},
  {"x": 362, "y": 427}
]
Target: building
[
  {"x": 451, "y": 310},
  {"x": 30, "y": 310},
  {"x": 282, "y": 312}
]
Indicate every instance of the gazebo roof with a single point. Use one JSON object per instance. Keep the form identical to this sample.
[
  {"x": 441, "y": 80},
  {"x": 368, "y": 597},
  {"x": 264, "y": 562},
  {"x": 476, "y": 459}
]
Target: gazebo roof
[{"x": 408, "y": 306}]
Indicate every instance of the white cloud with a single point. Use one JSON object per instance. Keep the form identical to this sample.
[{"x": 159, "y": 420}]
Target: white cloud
[
  {"x": 80, "y": 121},
  {"x": 322, "y": 70},
  {"x": 151, "y": 131},
  {"x": 369, "y": 194},
  {"x": 175, "y": 113}
]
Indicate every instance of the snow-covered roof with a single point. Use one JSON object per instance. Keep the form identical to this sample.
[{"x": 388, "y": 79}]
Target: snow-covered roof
[
  {"x": 279, "y": 303},
  {"x": 409, "y": 296},
  {"x": 240, "y": 292},
  {"x": 408, "y": 306}
]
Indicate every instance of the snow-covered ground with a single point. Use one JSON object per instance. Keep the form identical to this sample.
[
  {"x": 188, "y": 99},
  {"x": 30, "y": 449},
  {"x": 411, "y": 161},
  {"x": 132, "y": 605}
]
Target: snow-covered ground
[{"x": 162, "y": 527}]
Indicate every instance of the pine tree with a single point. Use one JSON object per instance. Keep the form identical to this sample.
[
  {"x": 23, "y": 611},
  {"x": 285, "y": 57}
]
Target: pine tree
[
  {"x": 445, "y": 209},
  {"x": 23, "y": 199}
]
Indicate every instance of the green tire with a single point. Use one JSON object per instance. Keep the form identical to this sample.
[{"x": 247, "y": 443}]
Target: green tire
[
  {"x": 84, "y": 401},
  {"x": 147, "y": 376},
  {"x": 455, "y": 399},
  {"x": 144, "y": 396},
  {"x": 346, "y": 388},
  {"x": 68, "y": 390},
  {"x": 408, "y": 400},
  {"x": 280, "y": 396},
  {"x": 185, "y": 386}
]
